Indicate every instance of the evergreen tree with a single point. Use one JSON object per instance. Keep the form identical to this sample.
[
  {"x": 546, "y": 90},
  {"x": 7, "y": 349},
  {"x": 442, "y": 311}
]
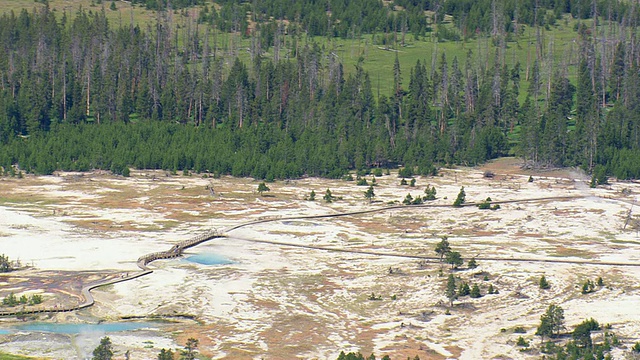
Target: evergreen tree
[
  {"x": 454, "y": 258},
  {"x": 165, "y": 355},
  {"x": 475, "y": 292},
  {"x": 5, "y": 264},
  {"x": 464, "y": 289},
  {"x": 460, "y": 198},
  {"x": 551, "y": 322},
  {"x": 328, "y": 197},
  {"x": 104, "y": 351},
  {"x": 430, "y": 193},
  {"x": 189, "y": 352},
  {"x": 262, "y": 187},
  {"x": 543, "y": 283},
  {"x": 443, "y": 247},
  {"x": 450, "y": 291},
  {"x": 369, "y": 194},
  {"x": 582, "y": 333}
]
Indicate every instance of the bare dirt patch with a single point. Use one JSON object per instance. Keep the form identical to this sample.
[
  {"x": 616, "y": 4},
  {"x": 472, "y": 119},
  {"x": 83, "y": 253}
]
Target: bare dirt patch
[{"x": 275, "y": 301}]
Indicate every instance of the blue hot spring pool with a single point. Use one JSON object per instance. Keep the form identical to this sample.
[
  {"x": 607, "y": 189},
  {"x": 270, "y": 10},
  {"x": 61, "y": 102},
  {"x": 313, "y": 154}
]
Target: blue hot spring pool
[
  {"x": 208, "y": 259},
  {"x": 82, "y": 328}
]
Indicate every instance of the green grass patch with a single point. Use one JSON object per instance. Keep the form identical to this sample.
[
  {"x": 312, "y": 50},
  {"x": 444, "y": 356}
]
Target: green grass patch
[
  {"x": 4, "y": 356},
  {"x": 560, "y": 45}
]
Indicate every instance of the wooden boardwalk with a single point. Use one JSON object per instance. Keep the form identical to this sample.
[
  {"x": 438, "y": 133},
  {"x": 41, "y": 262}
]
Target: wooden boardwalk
[{"x": 177, "y": 249}]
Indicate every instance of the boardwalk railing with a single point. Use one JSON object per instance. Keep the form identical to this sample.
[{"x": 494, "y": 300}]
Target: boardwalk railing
[
  {"x": 177, "y": 249},
  {"x": 143, "y": 261}
]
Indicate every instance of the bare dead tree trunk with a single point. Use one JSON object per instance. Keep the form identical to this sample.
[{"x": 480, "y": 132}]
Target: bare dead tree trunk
[{"x": 64, "y": 87}]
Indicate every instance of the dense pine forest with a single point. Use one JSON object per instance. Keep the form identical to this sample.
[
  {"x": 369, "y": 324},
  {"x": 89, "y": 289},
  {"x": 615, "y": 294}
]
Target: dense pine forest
[{"x": 79, "y": 93}]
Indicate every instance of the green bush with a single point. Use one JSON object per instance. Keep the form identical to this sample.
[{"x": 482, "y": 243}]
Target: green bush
[
  {"x": 519, "y": 330},
  {"x": 475, "y": 291},
  {"x": 405, "y": 172},
  {"x": 522, "y": 342},
  {"x": 430, "y": 194},
  {"x": 543, "y": 283}
]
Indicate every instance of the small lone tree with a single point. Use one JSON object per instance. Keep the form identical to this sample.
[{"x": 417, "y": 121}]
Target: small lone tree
[
  {"x": 582, "y": 333},
  {"x": 450, "y": 292},
  {"x": 328, "y": 197},
  {"x": 262, "y": 187},
  {"x": 472, "y": 264},
  {"x": 485, "y": 205},
  {"x": 5, "y": 264},
  {"x": 464, "y": 289},
  {"x": 189, "y": 352},
  {"x": 551, "y": 322},
  {"x": 408, "y": 200},
  {"x": 430, "y": 194},
  {"x": 454, "y": 258},
  {"x": 588, "y": 287},
  {"x": 413, "y": 182},
  {"x": 460, "y": 199},
  {"x": 361, "y": 181},
  {"x": 312, "y": 196},
  {"x": 104, "y": 351},
  {"x": 522, "y": 342},
  {"x": 475, "y": 291},
  {"x": 369, "y": 194},
  {"x": 543, "y": 283},
  {"x": 165, "y": 355},
  {"x": 443, "y": 247}
]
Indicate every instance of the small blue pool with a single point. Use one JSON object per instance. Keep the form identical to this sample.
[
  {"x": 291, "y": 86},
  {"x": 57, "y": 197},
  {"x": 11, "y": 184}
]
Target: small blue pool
[
  {"x": 4, "y": 332},
  {"x": 82, "y": 328},
  {"x": 208, "y": 259}
]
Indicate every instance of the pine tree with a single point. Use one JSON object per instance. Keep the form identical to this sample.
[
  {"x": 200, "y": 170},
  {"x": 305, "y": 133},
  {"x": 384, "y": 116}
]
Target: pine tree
[
  {"x": 443, "y": 247},
  {"x": 551, "y": 322},
  {"x": 165, "y": 355},
  {"x": 543, "y": 283},
  {"x": 189, "y": 352},
  {"x": 460, "y": 198},
  {"x": 262, "y": 187},
  {"x": 475, "y": 292},
  {"x": 104, "y": 351},
  {"x": 454, "y": 258},
  {"x": 450, "y": 292},
  {"x": 369, "y": 194},
  {"x": 464, "y": 289},
  {"x": 328, "y": 197}
]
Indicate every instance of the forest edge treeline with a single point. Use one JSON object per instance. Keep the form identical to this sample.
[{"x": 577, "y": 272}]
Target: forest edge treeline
[{"x": 77, "y": 94}]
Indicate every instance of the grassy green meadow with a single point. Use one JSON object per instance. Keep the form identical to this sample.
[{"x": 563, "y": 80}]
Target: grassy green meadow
[{"x": 560, "y": 43}]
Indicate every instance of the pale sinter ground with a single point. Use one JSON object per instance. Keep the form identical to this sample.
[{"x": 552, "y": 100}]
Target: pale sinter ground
[{"x": 278, "y": 302}]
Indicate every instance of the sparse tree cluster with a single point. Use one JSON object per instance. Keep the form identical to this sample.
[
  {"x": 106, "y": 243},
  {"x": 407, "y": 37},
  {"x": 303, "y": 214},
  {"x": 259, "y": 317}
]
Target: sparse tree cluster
[
  {"x": 6, "y": 265},
  {"x": 13, "y": 300}
]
